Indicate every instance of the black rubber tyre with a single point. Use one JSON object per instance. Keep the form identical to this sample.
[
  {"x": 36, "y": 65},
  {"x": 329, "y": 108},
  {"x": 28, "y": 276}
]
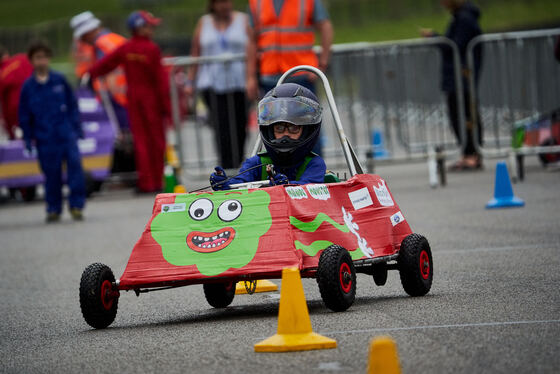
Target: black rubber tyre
[
  {"x": 28, "y": 194},
  {"x": 415, "y": 265},
  {"x": 98, "y": 300},
  {"x": 219, "y": 295},
  {"x": 336, "y": 277},
  {"x": 380, "y": 273}
]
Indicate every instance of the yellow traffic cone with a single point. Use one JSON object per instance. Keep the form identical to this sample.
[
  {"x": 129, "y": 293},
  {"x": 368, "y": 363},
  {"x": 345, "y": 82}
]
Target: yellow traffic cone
[
  {"x": 263, "y": 285},
  {"x": 179, "y": 189},
  {"x": 294, "y": 326},
  {"x": 383, "y": 356}
]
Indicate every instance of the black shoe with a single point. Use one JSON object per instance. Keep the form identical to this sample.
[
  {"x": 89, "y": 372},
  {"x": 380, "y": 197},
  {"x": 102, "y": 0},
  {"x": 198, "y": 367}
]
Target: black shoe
[
  {"x": 76, "y": 214},
  {"x": 52, "y": 217}
]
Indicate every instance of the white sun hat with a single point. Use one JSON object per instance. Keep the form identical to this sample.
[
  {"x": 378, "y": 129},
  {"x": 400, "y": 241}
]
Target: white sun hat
[{"x": 84, "y": 23}]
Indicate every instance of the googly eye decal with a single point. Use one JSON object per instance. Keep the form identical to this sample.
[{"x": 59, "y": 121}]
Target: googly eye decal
[
  {"x": 201, "y": 209},
  {"x": 229, "y": 210}
]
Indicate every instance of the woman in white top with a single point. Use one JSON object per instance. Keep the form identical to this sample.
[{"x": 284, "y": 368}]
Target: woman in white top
[{"x": 222, "y": 85}]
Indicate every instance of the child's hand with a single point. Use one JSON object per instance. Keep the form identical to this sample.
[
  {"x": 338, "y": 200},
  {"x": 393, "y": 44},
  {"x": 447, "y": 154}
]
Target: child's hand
[
  {"x": 217, "y": 179},
  {"x": 279, "y": 178}
]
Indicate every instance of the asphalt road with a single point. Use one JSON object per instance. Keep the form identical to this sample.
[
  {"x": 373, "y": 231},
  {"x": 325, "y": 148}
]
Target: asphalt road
[{"x": 494, "y": 306}]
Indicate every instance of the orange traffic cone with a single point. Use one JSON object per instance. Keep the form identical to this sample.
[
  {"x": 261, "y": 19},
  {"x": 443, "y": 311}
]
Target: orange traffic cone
[
  {"x": 294, "y": 326},
  {"x": 383, "y": 356}
]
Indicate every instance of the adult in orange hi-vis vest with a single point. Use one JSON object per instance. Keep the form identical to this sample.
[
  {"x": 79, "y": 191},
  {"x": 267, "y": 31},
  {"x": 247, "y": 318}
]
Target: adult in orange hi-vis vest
[
  {"x": 83, "y": 55},
  {"x": 281, "y": 36},
  {"x": 88, "y": 29}
]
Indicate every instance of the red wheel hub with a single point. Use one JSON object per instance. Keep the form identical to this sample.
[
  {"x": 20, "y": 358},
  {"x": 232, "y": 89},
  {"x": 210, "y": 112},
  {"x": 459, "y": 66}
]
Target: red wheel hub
[
  {"x": 107, "y": 295},
  {"x": 424, "y": 264},
  {"x": 345, "y": 277}
]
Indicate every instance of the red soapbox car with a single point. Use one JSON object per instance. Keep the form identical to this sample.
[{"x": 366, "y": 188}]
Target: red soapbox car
[{"x": 329, "y": 231}]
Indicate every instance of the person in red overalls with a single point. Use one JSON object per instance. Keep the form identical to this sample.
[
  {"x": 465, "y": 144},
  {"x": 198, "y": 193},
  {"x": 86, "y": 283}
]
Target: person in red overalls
[
  {"x": 148, "y": 96},
  {"x": 13, "y": 72}
]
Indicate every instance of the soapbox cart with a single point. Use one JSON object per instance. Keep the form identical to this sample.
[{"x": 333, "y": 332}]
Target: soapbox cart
[{"x": 329, "y": 231}]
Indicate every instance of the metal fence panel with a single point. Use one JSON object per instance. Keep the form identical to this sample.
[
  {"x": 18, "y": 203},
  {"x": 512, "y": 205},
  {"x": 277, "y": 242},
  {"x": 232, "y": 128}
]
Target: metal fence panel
[
  {"x": 393, "y": 89},
  {"x": 520, "y": 79},
  {"x": 390, "y": 90}
]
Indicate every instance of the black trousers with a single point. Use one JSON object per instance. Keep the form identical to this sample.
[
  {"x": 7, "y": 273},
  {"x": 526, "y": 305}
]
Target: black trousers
[
  {"x": 454, "y": 120},
  {"x": 228, "y": 116}
]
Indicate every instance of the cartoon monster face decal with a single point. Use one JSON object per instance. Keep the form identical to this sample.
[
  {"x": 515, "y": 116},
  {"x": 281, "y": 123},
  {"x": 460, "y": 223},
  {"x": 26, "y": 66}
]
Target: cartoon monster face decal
[{"x": 217, "y": 231}]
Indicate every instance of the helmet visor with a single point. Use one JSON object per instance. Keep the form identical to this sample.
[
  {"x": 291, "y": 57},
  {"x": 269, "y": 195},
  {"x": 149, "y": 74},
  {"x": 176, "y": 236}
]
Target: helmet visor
[{"x": 296, "y": 110}]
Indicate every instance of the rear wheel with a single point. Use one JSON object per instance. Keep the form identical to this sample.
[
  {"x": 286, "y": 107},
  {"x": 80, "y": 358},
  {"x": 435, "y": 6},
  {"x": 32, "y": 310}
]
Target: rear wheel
[
  {"x": 336, "y": 278},
  {"x": 98, "y": 296},
  {"x": 219, "y": 295},
  {"x": 415, "y": 265}
]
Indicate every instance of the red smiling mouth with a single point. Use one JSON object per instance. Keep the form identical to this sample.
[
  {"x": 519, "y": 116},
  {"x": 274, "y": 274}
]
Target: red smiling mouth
[{"x": 208, "y": 242}]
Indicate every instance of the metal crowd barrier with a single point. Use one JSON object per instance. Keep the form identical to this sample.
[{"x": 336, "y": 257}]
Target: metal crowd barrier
[
  {"x": 195, "y": 136},
  {"x": 388, "y": 92},
  {"x": 392, "y": 90},
  {"x": 519, "y": 83}
]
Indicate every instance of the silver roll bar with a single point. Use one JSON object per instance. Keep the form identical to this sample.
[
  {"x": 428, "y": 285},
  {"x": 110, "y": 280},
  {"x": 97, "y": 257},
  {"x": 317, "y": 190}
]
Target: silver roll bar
[{"x": 351, "y": 159}]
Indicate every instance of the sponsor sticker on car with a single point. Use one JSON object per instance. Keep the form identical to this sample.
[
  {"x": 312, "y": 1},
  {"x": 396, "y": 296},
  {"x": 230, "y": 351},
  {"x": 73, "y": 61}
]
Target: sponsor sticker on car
[
  {"x": 383, "y": 194},
  {"x": 397, "y": 218},
  {"x": 296, "y": 192},
  {"x": 319, "y": 191},
  {"x": 170, "y": 208},
  {"x": 360, "y": 198}
]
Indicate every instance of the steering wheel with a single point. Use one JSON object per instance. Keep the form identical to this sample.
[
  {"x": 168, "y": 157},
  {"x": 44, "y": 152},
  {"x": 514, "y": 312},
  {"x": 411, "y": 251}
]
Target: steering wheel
[{"x": 247, "y": 185}]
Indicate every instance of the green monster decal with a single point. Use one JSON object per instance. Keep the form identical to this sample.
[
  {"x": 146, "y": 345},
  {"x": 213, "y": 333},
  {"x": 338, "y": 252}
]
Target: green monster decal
[
  {"x": 215, "y": 232},
  {"x": 318, "y": 245}
]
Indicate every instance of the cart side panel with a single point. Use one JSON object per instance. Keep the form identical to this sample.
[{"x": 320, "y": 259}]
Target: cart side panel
[
  {"x": 225, "y": 234},
  {"x": 359, "y": 215}
]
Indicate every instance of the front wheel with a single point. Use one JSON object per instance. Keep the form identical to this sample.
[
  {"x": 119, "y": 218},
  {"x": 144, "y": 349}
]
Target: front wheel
[
  {"x": 219, "y": 295},
  {"x": 415, "y": 265},
  {"x": 98, "y": 296},
  {"x": 336, "y": 278}
]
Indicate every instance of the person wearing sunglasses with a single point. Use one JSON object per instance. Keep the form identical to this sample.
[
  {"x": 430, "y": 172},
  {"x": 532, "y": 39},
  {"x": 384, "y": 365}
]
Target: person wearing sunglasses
[{"x": 289, "y": 118}]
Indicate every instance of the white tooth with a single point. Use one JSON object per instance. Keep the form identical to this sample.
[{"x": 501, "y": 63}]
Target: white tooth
[
  {"x": 206, "y": 239},
  {"x": 214, "y": 237},
  {"x": 221, "y": 234},
  {"x": 213, "y": 245},
  {"x": 227, "y": 233}
]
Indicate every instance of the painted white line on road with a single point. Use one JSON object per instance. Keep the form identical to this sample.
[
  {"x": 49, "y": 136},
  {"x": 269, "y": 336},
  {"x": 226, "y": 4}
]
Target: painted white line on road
[
  {"x": 509, "y": 248},
  {"x": 431, "y": 327}
]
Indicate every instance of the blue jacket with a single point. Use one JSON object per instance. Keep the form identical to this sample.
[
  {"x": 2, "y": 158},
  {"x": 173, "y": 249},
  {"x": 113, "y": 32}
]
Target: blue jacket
[
  {"x": 314, "y": 172},
  {"x": 48, "y": 112},
  {"x": 462, "y": 29}
]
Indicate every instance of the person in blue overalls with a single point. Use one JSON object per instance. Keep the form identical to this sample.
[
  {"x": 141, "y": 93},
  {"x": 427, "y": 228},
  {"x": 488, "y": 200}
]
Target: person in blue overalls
[
  {"x": 49, "y": 118},
  {"x": 289, "y": 118}
]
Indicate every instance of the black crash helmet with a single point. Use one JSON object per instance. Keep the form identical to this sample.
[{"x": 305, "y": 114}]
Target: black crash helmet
[{"x": 295, "y": 104}]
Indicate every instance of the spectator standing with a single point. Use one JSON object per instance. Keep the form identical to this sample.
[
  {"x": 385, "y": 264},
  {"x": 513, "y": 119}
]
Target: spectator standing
[
  {"x": 462, "y": 29},
  {"x": 83, "y": 56},
  {"x": 88, "y": 29},
  {"x": 282, "y": 36},
  {"x": 147, "y": 94},
  {"x": 49, "y": 117},
  {"x": 14, "y": 71},
  {"x": 222, "y": 85}
]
